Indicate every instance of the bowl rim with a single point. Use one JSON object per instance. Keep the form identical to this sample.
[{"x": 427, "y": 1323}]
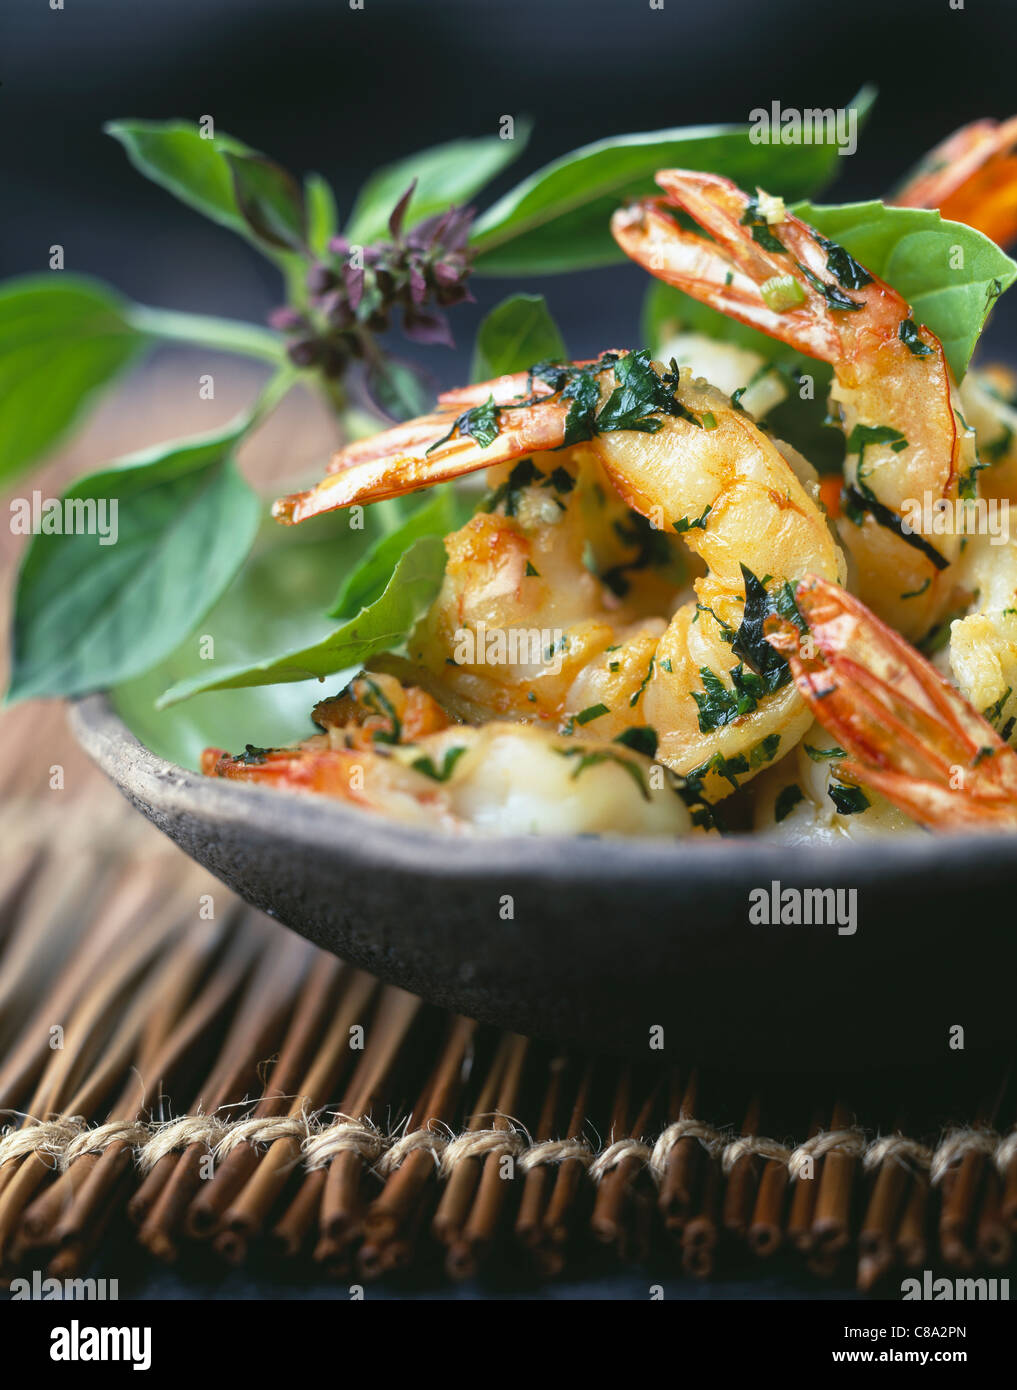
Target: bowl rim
[{"x": 322, "y": 825}]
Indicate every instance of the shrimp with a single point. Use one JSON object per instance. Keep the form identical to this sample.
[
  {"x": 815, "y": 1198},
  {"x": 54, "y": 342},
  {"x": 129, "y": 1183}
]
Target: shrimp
[
  {"x": 907, "y": 445},
  {"x": 970, "y": 177},
  {"x": 394, "y": 751},
  {"x": 695, "y": 681},
  {"x": 906, "y": 732},
  {"x": 802, "y": 800}
]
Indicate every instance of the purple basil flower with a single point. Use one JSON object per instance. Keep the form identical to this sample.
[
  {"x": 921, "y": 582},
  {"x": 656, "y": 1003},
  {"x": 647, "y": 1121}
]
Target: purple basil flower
[{"x": 427, "y": 327}]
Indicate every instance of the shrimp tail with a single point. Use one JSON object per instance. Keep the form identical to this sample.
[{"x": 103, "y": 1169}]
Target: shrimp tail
[
  {"x": 908, "y": 734},
  {"x": 773, "y": 277},
  {"x": 970, "y": 177}
]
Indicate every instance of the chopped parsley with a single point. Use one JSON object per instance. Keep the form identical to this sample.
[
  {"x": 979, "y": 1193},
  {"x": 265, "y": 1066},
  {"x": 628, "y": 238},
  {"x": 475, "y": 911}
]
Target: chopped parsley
[
  {"x": 684, "y": 523},
  {"x": 823, "y": 755},
  {"x": 634, "y": 700},
  {"x": 591, "y": 712},
  {"x": 481, "y": 424},
  {"x": 641, "y": 739},
  {"x": 252, "y": 756},
  {"x": 909, "y": 336},
  {"x": 594, "y": 758},
  {"x": 761, "y": 234},
  {"x": 442, "y": 774},
  {"x": 531, "y": 571},
  {"x": 524, "y": 474},
  {"x": 843, "y": 266},
  {"x": 787, "y": 799},
  {"x": 377, "y": 700},
  {"x": 849, "y": 801},
  {"x": 995, "y": 711}
]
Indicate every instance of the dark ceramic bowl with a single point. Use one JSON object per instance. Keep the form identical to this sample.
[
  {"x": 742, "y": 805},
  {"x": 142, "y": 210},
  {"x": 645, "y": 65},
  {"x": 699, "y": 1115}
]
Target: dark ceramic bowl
[{"x": 612, "y": 938}]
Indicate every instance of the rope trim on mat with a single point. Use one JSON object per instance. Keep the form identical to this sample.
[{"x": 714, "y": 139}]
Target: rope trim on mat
[{"x": 59, "y": 1142}]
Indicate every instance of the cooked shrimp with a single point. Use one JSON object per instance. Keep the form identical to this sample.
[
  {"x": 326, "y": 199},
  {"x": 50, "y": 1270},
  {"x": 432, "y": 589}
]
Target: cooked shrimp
[
  {"x": 906, "y": 732},
  {"x": 679, "y": 454},
  {"x": 892, "y": 384},
  {"x": 803, "y": 801},
  {"x": 499, "y": 779},
  {"x": 983, "y": 643},
  {"x": 970, "y": 177}
]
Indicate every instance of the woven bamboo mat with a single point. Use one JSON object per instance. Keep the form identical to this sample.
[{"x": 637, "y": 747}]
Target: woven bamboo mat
[{"x": 172, "y": 1062}]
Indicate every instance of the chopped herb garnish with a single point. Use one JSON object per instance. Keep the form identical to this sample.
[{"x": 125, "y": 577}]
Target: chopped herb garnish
[
  {"x": 823, "y": 755},
  {"x": 480, "y": 424},
  {"x": 860, "y": 503},
  {"x": 646, "y": 681},
  {"x": 641, "y": 739},
  {"x": 782, "y": 292},
  {"x": 861, "y": 437},
  {"x": 591, "y": 712},
  {"x": 849, "y": 801},
  {"x": 561, "y": 480},
  {"x": 524, "y": 474},
  {"x": 750, "y": 640},
  {"x": 761, "y": 234},
  {"x": 917, "y": 593},
  {"x": 587, "y": 758},
  {"x": 909, "y": 336},
  {"x": 787, "y": 799},
  {"x": 531, "y": 571},
  {"x": 252, "y": 756},
  {"x": 995, "y": 711},
  {"x": 442, "y": 774},
  {"x": 719, "y": 704},
  {"x": 684, "y": 523},
  {"x": 843, "y": 266},
  {"x": 377, "y": 700}
]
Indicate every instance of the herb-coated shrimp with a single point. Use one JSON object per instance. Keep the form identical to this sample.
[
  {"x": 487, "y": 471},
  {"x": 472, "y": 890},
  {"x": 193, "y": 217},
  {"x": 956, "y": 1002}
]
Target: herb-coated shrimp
[
  {"x": 681, "y": 455},
  {"x": 906, "y": 442},
  {"x": 906, "y": 732},
  {"x": 393, "y": 751}
]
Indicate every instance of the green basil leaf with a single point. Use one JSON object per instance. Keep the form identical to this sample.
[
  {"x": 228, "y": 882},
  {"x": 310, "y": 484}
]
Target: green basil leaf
[
  {"x": 270, "y": 200},
  {"x": 402, "y": 390},
  {"x": 445, "y": 174},
  {"x": 176, "y": 156},
  {"x": 322, "y": 214},
  {"x": 365, "y": 584},
  {"x": 88, "y": 615},
  {"x": 62, "y": 339},
  {"x": 274, "y": 603},
  {"x": 517, "y": 333},
  {"x": 558, "y": 219},
  {"x": 385, "y": 623},
  {"x": 949, "y": 273}
]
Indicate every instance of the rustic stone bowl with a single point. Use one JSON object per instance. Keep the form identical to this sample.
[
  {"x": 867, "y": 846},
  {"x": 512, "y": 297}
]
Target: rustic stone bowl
[{"x": 608, "y": 939}]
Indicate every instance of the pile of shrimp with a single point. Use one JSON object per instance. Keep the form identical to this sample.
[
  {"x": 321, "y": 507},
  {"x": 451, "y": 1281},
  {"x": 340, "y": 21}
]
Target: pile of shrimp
[{"x": 696, "y": 635}]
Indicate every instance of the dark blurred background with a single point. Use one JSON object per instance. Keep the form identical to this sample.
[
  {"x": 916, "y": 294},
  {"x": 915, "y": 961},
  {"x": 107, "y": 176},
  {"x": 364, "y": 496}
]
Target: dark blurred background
[{"x": 321, "y": 86}]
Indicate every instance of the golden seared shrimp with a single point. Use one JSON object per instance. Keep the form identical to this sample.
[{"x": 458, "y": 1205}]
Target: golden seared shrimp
[
  {"x": 983, "y": 643},
  {"x": 905, "y": 731},
  {"x": 906, "y": 442},
  {"x": 680, "y": 455},
  {"x": 499, "y": 779}
]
